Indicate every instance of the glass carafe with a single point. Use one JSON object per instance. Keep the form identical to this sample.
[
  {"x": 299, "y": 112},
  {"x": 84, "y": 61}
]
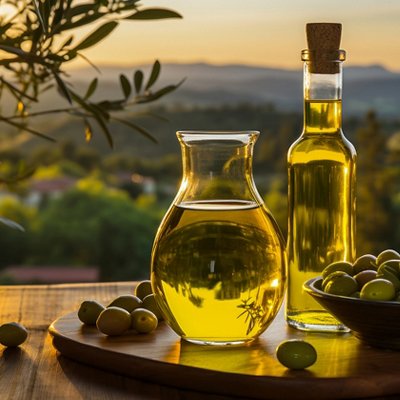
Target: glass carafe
[{"x": 218, "y": 260}]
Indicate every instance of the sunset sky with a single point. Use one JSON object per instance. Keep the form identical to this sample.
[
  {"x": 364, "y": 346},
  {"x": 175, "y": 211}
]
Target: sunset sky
[{"x": 256, "y": 32}]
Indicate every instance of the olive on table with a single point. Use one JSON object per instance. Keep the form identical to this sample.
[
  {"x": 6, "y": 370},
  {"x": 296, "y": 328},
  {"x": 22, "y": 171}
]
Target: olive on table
[
  {"x": 296, "y": 354},
  {"x": 12, "y": 334},
  {"x": 143, "y": 320},
  {"x": 128, "y": 302},
  {"x": 114, "y": 321},
  {"x": 143, "y": 289},
  {"x": 89, "y": 311},
  {"x": 149, "y": 303}
]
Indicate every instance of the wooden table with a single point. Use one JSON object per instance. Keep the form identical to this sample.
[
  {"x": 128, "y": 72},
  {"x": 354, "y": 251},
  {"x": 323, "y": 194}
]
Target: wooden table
[{"x": 37, "y": 371}]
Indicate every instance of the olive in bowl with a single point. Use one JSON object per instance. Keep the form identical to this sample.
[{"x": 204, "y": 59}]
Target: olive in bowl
[{"x": 376, "y": 323}]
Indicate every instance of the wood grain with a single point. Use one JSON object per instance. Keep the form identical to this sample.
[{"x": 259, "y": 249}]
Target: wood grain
[
  {"x": 345, "y": 368},
  {"x": 37, "y": 371}
]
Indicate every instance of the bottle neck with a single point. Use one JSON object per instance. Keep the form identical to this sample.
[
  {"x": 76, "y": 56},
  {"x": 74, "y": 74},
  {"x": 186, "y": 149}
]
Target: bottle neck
[{"x": 322, "y": 101}]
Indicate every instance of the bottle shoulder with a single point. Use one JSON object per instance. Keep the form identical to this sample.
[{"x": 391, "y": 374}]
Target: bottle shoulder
[{"x": 322, "y": 146}]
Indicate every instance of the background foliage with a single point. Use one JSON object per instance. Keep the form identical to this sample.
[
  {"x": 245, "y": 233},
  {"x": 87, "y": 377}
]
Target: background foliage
[{"x": 77, "y": 228}]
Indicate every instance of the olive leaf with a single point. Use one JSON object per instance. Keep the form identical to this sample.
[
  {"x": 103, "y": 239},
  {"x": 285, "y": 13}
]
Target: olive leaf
[
  {"x": 159, "y": 93},
  {"x": 39, "y": 15},
  {"x": 91, "y": 89},
  {"x": 126, "y": 86},
  {"x": 138, "y": 80},
  {"x": 154, "y": 13},
  {"x": 95, "y": 37},
  {"x": 11, "y": 224},
  {"x": 62, "y": 87},
  {"x": 155, "y": 72}
]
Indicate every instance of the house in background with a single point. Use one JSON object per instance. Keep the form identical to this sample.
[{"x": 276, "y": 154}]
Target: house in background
[{"x": 45, "y": 189}]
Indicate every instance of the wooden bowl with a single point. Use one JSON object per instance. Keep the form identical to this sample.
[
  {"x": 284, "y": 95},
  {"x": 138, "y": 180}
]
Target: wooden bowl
[{"x": 376, "y": 323}]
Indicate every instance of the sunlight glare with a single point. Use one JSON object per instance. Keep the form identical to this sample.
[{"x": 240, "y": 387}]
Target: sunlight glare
[{"x": 7, "y": 10}]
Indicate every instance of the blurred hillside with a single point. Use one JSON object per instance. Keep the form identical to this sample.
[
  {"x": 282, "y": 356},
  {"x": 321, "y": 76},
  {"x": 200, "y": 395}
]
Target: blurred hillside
[
  {"x": 78, "y": 195},
  {"x": 365, "y": 87}
]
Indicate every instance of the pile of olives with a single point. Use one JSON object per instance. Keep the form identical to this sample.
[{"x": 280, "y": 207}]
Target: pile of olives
[
  {"x": 138, "y": 312},
  {"x": 369, "y": 277}
]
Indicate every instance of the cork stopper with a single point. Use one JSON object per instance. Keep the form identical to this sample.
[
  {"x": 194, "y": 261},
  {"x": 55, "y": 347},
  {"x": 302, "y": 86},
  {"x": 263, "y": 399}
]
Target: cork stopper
[{"x": 323, "y": 41}]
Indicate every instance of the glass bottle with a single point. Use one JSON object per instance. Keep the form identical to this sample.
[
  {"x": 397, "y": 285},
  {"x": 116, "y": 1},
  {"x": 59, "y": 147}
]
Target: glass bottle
[
  {"x": 218, "y": 259},
  {"x": 321, "y": 190}
]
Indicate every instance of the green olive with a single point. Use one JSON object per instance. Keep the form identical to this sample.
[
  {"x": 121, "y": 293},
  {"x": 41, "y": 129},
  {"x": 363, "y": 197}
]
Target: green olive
[
  {"x": 387, "y": 267},
  {"x": 12, "y": 334},
  {"x": 355, "y": 295},
  {"x": 89, "y": 311},
  {"x": 365, "y": 262},
  {"x": 113, "y": 321},
  {"x": 143, "y": 321},
  {"x": 378, "y": 289},
  {"x": 386, "y": 273},
  {"x": 143, "y": 289},
  {"x": 128, "y": 302},
  {"x": 387, "y": 255},
  {"x": 149, "y": 303},
  {"x": 365, "y": 276},
  {"x": 394, "y": 265},
  {"x": 338, "y": 266},
  {"x": 296, "y": 354},
  {"x": 342, "y": 286},
  {"x": 331, "y": 277}
]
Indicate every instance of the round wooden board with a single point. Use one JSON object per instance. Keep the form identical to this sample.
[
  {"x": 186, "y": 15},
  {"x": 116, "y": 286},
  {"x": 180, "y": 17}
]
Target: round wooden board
[{"x": 346, "y": 368}]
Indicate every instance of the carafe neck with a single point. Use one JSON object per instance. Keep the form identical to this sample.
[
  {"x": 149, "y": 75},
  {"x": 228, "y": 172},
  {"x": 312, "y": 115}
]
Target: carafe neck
[{"x": 217, "y": 166}]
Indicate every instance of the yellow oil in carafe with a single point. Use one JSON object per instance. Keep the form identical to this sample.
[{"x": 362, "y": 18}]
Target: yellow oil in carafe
[
  {"x": 218, "y": 267},
  {"x": 321, "y": 171}
]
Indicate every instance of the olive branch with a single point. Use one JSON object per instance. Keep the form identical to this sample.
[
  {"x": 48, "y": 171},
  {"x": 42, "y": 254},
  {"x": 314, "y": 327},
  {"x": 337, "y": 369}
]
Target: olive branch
[{"x": 36, "y": 42}]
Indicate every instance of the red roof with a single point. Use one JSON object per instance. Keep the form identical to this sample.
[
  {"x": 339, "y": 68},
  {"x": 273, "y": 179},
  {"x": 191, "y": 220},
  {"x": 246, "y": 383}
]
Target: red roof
[
  {"x": 60, "y": 184},
  {"x": 24, "y": 274}
]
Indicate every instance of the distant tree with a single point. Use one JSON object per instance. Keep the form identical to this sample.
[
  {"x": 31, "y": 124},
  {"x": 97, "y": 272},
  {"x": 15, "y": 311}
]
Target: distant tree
[
  {"x": 14, "y": 243},
  {"x": 375, "y": 209},
  {"x": 88, "y": 158},
  {"x": 93, "y": 225},
  {"x": 276, "y": 202},
  {"x": 372, "y": 144}
]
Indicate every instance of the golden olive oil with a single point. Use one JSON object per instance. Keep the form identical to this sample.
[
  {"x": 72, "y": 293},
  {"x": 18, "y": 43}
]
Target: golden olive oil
[
  {"x": 321, "y": 172},
  {"x": 218, "y": 269}
]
